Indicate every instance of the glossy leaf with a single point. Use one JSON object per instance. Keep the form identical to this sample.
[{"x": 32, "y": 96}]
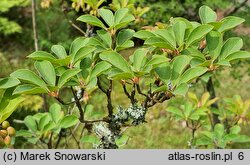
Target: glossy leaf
[
  {"x": 82, "y": 53},
  {"x": 116, "y": 60},
  {"x": 198, "y": 33},
  {"x": 30, "y": 122},
  {"x": 207, "y": 15},
  {"x": 164, "y": 72},
  {"x": 230, "y": 22},
  {"x": 232, "y": 45},
  {"x": 29, "y": 89},
  {"x": 144, "y": 34},
  {"x": 191, "y": 74},
  {"x": 9, "y": 107},
  {"x": 158, "y": 42},
  {"x": 66, "y": 76},
  {"x": 122, "y": 18},
  {"x": 107, "y": 16},
  {"x": 42, "y": 55},
  {"x": 168, "y": 36},
  {"x": 69, "y": 121},
  {"x": 179, "y": 29},
  {"x": 214, "y": 41},
  {"x": 29, "y": 76},
  {"x": 138, "y": 58},
  {"x": 106, "y": 37},
  {"x": 77, "y": 44},
  {"x": 238, "y": 55},
  {"x": 99, "y": 68},
  {"x": 219, "y": 131},
  {"x": 92, "y": 20},
  {"x": 44, "y": 121},
  {"x": 47, "y": 71},
  {"x": 8, "y": 82},
  {"x": 179, "y": 64},
  {"x": 55, "y": 112},
  {"x": 156, "y": 60},
  {"x": 124, "y": 35},
  {"x": 59, "y": 51}
]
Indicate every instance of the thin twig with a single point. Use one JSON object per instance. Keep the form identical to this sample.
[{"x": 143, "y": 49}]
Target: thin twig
[
  {"x": 77, "y": 142},
  {"x": 59, "y": 139},
  {"x": 64, "y": 103},
  {"x": 139, "y": 90},
  {"x": 78, "y": 104},
  {"x": 126, "y": 91}
]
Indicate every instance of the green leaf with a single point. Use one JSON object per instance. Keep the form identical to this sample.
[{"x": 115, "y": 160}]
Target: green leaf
[
  {"x": 168, "y": 36},
  {"x": 179, "y": 29},
  {"x": 24, "y": 133},
  {"x": 238, "y": 55},
  {"x": 188, "y": 108},
  {"x": 125, "y": 45},
  {"x": 124, "y": 35},
  {"x": 55, "y": 112},
  {"x": 123, "y": 18},
  {"x": 9, "y": 107},
  {"x": 69, "y": 121},
  {"x": 232, "y": 45},
  {"x": 42, "y": 55},
  {"x": 66, "y": 76},
  {"x": 181, "y": 89},
  {"x": 82, "y": 53},
  {"x": 192, "y": 73},
  {"x": 235, "y": 129},
  {"x": 120, "y": 14},
  {"x": 99, "y": 68},
  {"x": 106, "y": 37},
  {"x": 29, "y": 76},
  {"x": 241, "y": 139},
  {"x": 214, "y": 41},
  {"x": 30, "y": 122},
  {"x": 164, "y": 72},
  {"x": 229, "y": 23},
  {"x": 120, "y": 75},
  {"x": 90, "y": 139},
  {"x": 121, "y": 141},
  {"x": 155, "y": 61},
  {"x": 158, "y": 42},
  {"x": 77, "y": 44},
  {"x": 219, "y": 131},
  {"x": 207, "y": 15},
  {"x": 175, "y": 111},
  {"x": 50, "y": 126},
  {"x": 8, "y": 82},
  {"x": 116, "y": 60},
  {"x": 203, "y": 141},
  {"x": 191, "y": 51},
  {"x": 107, "y": 16},
  {"x": 144, "y": 34},
  {"x": 47, "y": 71},
  {"x": 59, "y": 51},
  {"x": 29, "y": 89},
  {"x": 44, "y": 121},
  {"x": 198, "y": 33},
  {"x": 138, "y": 58},
  {"x": 179, "y": 64},
  {"x": 92, "y": 20}
]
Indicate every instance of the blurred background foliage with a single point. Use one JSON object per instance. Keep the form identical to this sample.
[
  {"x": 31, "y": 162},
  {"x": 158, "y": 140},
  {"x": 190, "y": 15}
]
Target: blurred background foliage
[{"x": 56, "y": 25}]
